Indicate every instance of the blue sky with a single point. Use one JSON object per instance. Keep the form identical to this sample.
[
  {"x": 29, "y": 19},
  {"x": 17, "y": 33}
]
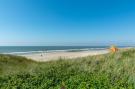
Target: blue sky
[{"x": 67, "y": 22}]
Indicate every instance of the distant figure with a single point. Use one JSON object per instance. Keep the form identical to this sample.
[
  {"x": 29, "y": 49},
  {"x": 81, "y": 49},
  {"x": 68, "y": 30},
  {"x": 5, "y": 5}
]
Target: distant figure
[
  {"x": 113, "y": 49},
  {"x": 45, "y": 52},
  {"x": 41, "y": 55}
]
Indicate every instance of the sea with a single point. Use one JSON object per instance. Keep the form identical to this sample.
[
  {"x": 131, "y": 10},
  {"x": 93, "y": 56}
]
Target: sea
[{"x": 19, "y": 50}]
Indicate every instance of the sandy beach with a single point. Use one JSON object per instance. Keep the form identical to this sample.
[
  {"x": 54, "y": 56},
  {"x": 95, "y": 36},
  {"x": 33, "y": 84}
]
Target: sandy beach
[{"x": 57, "y": 55}]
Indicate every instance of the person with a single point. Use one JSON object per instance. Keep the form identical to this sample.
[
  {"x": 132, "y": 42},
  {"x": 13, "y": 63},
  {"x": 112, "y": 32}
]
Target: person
[
  {"x": 41, "y": 55},
  {"x": 44, "y": 52}
]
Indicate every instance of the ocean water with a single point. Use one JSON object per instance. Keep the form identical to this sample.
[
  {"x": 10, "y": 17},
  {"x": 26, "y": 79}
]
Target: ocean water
[{"x": 40, "y": 49}]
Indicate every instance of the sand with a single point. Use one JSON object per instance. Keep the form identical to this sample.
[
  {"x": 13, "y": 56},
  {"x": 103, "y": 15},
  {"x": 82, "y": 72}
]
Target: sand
[{"x": 56, "y": 55}]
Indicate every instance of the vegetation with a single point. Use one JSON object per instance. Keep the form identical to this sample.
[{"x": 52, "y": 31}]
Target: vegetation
[{"x": 109, "y": 71}]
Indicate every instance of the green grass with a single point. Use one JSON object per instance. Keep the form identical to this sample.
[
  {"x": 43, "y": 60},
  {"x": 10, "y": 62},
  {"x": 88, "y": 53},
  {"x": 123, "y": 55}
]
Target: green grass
[{"x": 109, "y": 71}]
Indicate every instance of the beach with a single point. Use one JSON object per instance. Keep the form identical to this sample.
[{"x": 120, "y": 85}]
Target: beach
[{"x": 45, "y": 56}]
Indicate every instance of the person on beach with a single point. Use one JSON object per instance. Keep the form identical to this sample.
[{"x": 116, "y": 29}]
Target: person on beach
[
  {"x": 44, "y": 52},
  {"x": 41, "y": 55}
]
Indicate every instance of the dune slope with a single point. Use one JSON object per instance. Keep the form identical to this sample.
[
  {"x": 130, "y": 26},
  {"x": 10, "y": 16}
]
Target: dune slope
[{"x": 109, "y": 71}]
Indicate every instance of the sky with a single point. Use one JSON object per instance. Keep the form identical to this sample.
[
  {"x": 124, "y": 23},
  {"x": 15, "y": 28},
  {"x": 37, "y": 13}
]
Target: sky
[{"x": 67, "y": 22}]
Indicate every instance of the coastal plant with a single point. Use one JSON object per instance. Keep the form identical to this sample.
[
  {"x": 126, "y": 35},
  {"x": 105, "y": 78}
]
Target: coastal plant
[{"x": 108, "y": 71}]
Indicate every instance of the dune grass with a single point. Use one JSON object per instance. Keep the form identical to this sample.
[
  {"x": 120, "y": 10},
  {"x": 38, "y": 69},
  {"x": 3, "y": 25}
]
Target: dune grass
[{"x": 109, "y": 71}]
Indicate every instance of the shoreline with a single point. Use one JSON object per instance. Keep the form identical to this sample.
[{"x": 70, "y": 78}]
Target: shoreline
[{"x": 43, "y": 57}]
